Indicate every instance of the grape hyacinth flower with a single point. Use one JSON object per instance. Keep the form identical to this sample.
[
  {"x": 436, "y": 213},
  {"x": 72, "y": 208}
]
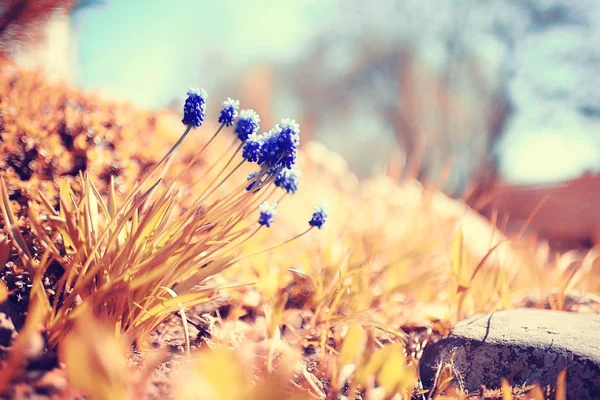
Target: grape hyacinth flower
[
  {"x": 248, "y": 124},
  {"x": 267, "y": 213},
  {"x": 253, "y": 148},
  {"x": 280, "y": 147},
  {"x": 229, "y": 111},
  {"x": 194, "y": 108},
  {"x": 288, "y": 179},
  {"x": 319, "y": 216},
  {"x": 251, "y": 176}
]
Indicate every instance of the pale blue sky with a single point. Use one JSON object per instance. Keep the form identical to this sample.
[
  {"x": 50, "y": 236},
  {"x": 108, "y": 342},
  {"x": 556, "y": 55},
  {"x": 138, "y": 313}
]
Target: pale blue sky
[{"x": 149, "y": 51}]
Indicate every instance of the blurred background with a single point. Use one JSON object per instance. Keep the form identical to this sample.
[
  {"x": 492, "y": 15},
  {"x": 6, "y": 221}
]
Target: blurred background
[{"x": 496, "y": 102}]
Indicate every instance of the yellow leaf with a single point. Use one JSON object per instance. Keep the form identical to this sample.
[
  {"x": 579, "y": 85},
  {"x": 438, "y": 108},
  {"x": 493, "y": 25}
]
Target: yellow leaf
[
  {"x": 376, "y": 362},
  {"x": 3, "y": 292},
  {"x": 168, "y": 306},
  {"x": 95, "y": 359},
  {"x": 276, "y": 317},
  {"x": 537, "y": 393},
  {"x": 459, "y": 259},
  {"x": 152, "y": 222},
  {"x": 395, "y": 376},
  {"x": 216, "y": 374},
  {"x": 11, "y": 222},
  {"x": 353, "y": 345},
  {"x": 112, "y": 198},
  {"x": 5, "y": 249},
  {"x": 561, "y": 385},
  {"x": 92, "y": 208},
  {"x": 506, "y": 390},
  {"x": 29, "y": 341}
]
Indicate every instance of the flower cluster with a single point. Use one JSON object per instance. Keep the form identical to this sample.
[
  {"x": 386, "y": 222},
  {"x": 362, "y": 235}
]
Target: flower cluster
[
  {"x": 194, "y": 109},
  {"x": 252, "y": 148},
  {"x": 229, "y": 111},
  {"x": 319, "y": 216},
  {"x": 288, "y": 180},
  {"x": 252, "y": 178},
  {"x": 275, "y": 151},
  {"x": 276, "y": 148},
  {"x": 248, "y": 124},
  {"x": 267, "y": 213}
]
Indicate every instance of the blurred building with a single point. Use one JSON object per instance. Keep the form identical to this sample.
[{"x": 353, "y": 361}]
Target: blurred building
[{"x": 567, "y": 214}]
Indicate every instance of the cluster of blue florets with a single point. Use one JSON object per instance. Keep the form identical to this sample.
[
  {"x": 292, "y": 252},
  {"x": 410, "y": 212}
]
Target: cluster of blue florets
[
  {"x": 288, "y": 180},
  {"x": 254, "y": 179},
  {"x": 319, "y": 216},
  {"x": 252, "y": 148},
  {"x": 277, "y": 148},
  {"x": 248, "y": 124},
  {"x": 194, "y": 109},
  {"x": 229, "y": 111},
  {"x": 267, "y": 213},
  {"x": 274, "y": 151}
]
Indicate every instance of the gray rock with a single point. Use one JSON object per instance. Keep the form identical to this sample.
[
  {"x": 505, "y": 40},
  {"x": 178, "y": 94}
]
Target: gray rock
[{"x": 525, "y": 346}]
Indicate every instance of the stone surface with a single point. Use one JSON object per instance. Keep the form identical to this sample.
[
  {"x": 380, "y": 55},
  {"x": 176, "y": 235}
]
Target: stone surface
[{"x": 525, "y": 346}]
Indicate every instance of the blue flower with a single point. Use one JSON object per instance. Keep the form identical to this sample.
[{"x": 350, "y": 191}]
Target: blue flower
[
  {"x": 267, "y": 213},
  {"x": 252, "y": 149},
  {"x": 269, "y": 151},
  {"x": 229, "y": 111},
  {"x": 319, "y": 216},
  {"x": 281, "y": 143},
  {"x": 248, "y": 124},
  {"x": 194, "y": 108},
  {"x": 252, "y": 176},
  {"x": 288, "y": 180},
  {"x": 289, "y": 139}
]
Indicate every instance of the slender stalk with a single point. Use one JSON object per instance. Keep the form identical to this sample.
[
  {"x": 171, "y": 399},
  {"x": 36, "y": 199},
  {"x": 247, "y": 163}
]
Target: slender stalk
[
  {"x": 262, "y": 197},
  {"x": 203, "y": 196},
  {"x": 172, "y": 150},
  {"x": 274, "y": 247},
  {"x": 225, "y": 203},
  {"x": 232, "y": 206},
  {"x": 211, "y": 139},
  {"x": 213, "y": 165},
  {"x": 223, "y": 180},
  {"x": 224, "y": 249},
  {"x": 282, "y": 197},
  {"x": 237, "y": 194},
  {"x": 228, "y": 200},
  {"x": 197, "y": 155}
]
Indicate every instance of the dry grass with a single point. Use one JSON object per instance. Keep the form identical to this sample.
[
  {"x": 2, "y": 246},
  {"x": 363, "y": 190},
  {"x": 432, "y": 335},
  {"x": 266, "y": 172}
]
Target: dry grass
[{"x": 344, "y": 311}]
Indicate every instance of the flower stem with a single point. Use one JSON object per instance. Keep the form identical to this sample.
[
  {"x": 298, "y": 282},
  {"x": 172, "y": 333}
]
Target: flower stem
[
  {"x": 276, "y": 246},
  {"x": 210, "y": 141},
  {"x": 175, "y": 146},
  {"x": 197, "y": 155},
  {"x": 213, "y": 165},
  {"x": 204, "y": 197}
]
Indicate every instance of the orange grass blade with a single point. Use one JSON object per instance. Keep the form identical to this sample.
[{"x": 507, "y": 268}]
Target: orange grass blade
[
  {"x": 95, "y": 359},
  {"x": 13, "y": 228},
  {"x": 184, "y": 322}
]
